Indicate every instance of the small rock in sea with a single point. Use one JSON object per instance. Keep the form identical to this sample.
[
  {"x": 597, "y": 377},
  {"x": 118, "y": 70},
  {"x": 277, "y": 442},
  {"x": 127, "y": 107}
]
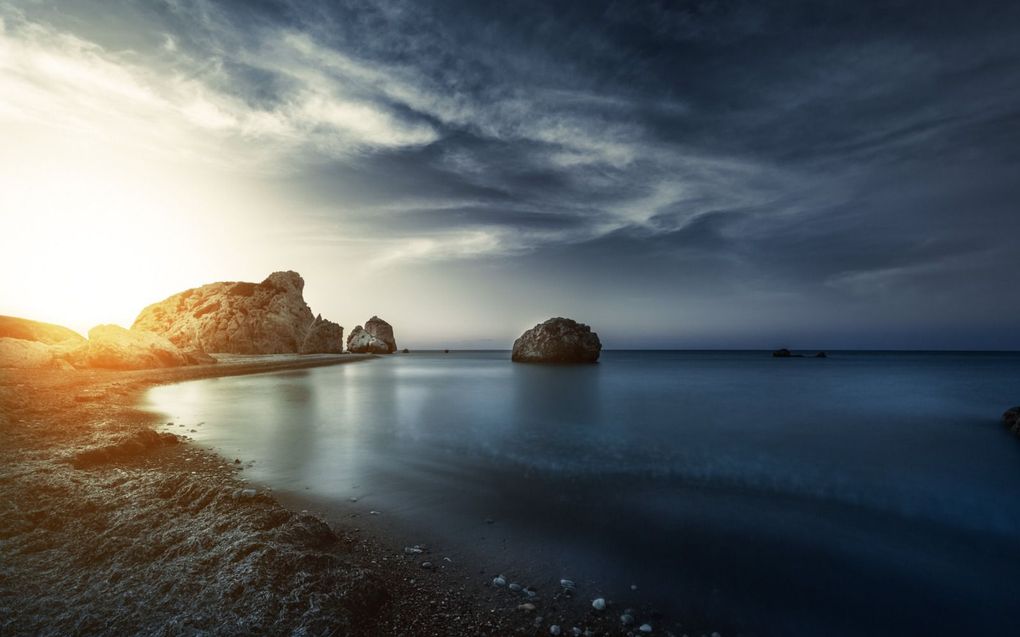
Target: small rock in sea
[
  {"x": 194, "y": 431},
  {"x": 373, "y": 512},
  {"x": 426, "y": 565},
  {"x": 413, "y": 550},
  {"x": 170, "y": 424},
  {"x": 554, "y": 630},
  {"x": 645, "y": 628},
  {"x": 247, "y": 493},
  {"x": 515, "y": 587},
  {"x": 598, "y": 603},
  {"x": 526, "y": 607},
  {"x": 237, "y": 461},
  {"x": 499, "y": 581},
  {"x": 626, "y": 619}
]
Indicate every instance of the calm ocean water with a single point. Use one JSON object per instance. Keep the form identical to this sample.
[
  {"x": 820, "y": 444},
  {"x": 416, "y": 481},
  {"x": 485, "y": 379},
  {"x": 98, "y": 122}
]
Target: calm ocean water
[{"x": 866, "y": 493}]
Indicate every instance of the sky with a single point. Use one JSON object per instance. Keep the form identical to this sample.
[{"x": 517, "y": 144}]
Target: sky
[{"x": 675, "y": 174}]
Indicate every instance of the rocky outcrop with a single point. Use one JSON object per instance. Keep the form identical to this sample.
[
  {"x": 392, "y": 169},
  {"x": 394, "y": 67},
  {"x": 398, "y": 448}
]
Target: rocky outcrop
[
  {"x": 270, "y": 317},
  {"x": 323, "y": 337},
  {"x": 113, "y": 347},
  {"x": 558, "y": 340},
  {"x": 362, "y": 342},
  {"x": 1012, "y": 419},
  {"x": 383, "y": 331},
  {"x": 26, "y": 330},
  {"x": 108, "y": 347},
  {"x": 24, "y": 354}
]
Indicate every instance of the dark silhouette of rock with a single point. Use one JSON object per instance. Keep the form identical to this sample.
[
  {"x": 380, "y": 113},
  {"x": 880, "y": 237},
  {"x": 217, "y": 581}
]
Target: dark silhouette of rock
[
  {"x": 785, "y": 353},
  {"x": 821, "y": 355},
  {"x": 362, "y": 342},
  {"x": 558, "y": 340},
  {"x": 383, "y": 331},
  {"x": 1012, "y": 419},
  {"x": 405, "y": 351},
  {"x": 26, "y": 330},
  {"x": 270, "y": 317}
]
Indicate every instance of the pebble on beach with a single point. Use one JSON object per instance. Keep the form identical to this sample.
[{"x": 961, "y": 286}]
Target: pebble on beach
[
  {"x": 645, "y": 628},
  {"x": 554, "y": 630},
  {"x": 598, "y": 603},
  {"x": 499, "y": 581}
]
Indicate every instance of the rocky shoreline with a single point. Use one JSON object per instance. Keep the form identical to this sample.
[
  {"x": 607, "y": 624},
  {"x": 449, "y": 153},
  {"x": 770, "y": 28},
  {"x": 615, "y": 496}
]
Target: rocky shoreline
[{"x": 107, "y": 527}]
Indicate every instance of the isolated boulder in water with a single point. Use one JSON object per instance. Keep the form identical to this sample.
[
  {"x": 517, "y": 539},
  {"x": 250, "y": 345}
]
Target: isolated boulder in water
[
  {"x": 270, "y": 317},
  {"x": 323, "y": 337},
  {"x": 113, "y": 347},
  {"x": 1012, "y": 419},
  {"x": 362, "y": 342},
  {"x": 558, "y": 340},
  {"x": 48, "y": 333},
  {"x": 382, "y": 331}
]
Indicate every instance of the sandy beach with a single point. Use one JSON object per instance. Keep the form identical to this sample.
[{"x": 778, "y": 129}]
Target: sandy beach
[{"x": 107, "y": 527}]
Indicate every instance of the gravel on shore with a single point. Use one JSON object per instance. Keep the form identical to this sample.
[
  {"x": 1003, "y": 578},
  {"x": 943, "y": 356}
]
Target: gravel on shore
[{"x": 110, "y": 528}]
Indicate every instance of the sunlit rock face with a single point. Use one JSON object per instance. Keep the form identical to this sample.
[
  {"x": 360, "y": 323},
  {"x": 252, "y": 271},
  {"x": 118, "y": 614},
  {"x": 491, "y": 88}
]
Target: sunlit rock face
[
  {"x": 270, "y": 317},
  {"x": 558, "y": 340},
  {"x": 26, "y": 330},
  {"x": 383, "y": 331},
  {"x": 113, "y": 347}
]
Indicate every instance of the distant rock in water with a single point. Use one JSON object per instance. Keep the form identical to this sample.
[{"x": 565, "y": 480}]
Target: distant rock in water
[
  {"x": 270, "y": 317},
  {"x": 362, "y": 342},
  {"x": 1012, "y": 419},
  {"x": 558, "y": 340},
  {"x": 382, "y": 331},
  {"x": 26, "y": 330},
  {"x": 785, "y": 353}
]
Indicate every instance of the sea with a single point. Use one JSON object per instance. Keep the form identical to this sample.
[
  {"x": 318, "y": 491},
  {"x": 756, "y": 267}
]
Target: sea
[{"x": 866, "y": 493}]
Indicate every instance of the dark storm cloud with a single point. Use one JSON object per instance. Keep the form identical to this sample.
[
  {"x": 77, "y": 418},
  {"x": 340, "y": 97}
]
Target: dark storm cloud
[{"x": 854, "y": 154}]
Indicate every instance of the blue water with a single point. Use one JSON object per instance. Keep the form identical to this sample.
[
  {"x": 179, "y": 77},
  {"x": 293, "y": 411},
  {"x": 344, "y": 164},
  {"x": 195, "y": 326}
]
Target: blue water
[{"x": 866, "y": 493}]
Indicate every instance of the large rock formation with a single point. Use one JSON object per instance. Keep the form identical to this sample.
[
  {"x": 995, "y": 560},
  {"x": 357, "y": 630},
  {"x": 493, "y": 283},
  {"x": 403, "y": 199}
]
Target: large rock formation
[
  {"x": 558, "y": 340},
  {"x": 362, "y": 342},
  {"x": 382, "y": 331},
  {"x": 26, "y": 330},
  {"x": 243, "y": 318}
]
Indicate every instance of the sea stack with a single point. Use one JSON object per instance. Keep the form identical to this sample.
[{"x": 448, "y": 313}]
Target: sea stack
[
  {"x": 1012, "y": 419},
  {"x": 376, "y": 337},
  {"x": 238, "y": 317},
  {"x": 558, "y": 340},
  {"x": 382, "y": 331}
]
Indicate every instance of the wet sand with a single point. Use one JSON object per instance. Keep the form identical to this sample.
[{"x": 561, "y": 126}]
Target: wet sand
[{"x": 109, "y": 528}]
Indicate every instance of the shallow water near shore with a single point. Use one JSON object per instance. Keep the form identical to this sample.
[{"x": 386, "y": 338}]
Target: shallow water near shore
[{"x": 866, "y": 493}]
